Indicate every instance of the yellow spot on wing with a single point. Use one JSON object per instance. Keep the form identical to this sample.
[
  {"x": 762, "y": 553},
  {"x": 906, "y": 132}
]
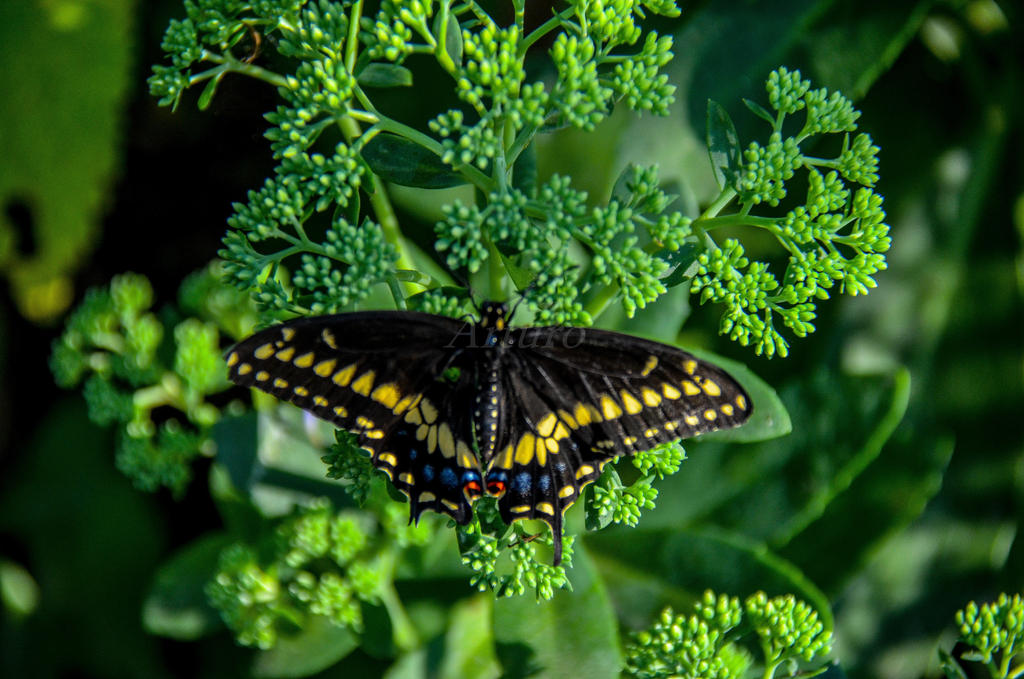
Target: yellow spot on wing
[
  {"x": 450, "y": 505},
  {"x": 244, "y": 369},
  {"x": 265, "y": 351},
  {"x": 432, "y": 438},
  {"x": 364, "y": 422},
  {"x": 286, "y": 354},
  {"x": 406, "y": 477},
  {"x": 690, "y": 388},
  {"x": 651, "y": 397},
  {"x": 465, "y": 455},
  {"x": 546, "y": 508},
  {"x": 551, "y": 444},
  {"x": 727, "y": 410},
  {"x": 652, "y": 363},
  {"x": 569, "y": 420},
  {"x": 328, "y": 338},
  {"x": 584, "y": 470},
  {"x": 561, "y": 432},
  {"x": 610, "y": 408},
  {"x": 710, "y": 414},
  {"x": 364, "y": 383},
  {"x": 427, "y": 497},
  {"x": 524, "y": 449},
  {"x": 301, "y": 391},
  {"x": 287, "y": 334},
  {"x": 445, "y": 440},
  {"x": 325, "y": 368},
  {"x": 520, "y": 509},
  {"x": 374, "y": 434},
  {"x": 387, "y": 458},
  {"x": 344, "y": 376},
  {"x": 690, "y": 366},
  {"x": 566, "y": 491},
  {"x": 711, "y": 388},
  {"x": 547, "y": 425},
  {"x": 305, "y": 360},
  {"x": 741, "y": 402},
  {"x": 280, "y": 383},
  {"x": 428, "y": 410},
  {"x": 320, "y": 401},
  {"x": 340, "y": 411},
  {"x": 542, "y": 452},
  {"x": 504, "y": 459},
  {"x": 406, "y": 403},
  {"x": 670, "y": 392},
  {"x": 263, "y": 376},
  {"x": 232, "y": 359},
  {"x": 691, "y": 420},
  {"x": 632, "y": 405},
  {"x": 386, "y": 394}
]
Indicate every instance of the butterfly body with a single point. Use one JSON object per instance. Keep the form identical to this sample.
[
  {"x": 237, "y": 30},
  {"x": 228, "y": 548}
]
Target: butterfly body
[{"x": 451, "y": 410}]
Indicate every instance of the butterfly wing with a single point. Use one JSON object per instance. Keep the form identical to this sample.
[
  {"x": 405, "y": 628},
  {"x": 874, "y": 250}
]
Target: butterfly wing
[
  {"x": 383, "y": 376},
  {"x": 579, "y": 397}
]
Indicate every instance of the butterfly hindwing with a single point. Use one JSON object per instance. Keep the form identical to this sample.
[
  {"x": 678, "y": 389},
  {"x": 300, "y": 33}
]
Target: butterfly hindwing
[{"x": 380, "y": 375}]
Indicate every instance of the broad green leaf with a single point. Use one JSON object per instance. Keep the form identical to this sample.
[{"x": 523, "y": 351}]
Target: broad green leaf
[
  {"x": 66, "y": 67},
  {"x": 377, "y": 74},
  {"x": 401, "y": 161},
  {"x": 647, "y": 569},
  {"x": 849, "y": 51},
  {"x": 319, "y": 645},
  {"x": 469, "y": 644},
  {"x": 176, "y": 605},
  {"x": 572, "y": 635},
  {"x": 723, "y": 144},
  {"x": 770, "y": 418},
  {"x": 683, "y": 262}
]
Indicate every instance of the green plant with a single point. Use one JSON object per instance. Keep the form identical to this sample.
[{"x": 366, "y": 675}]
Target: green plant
[
  {"x": 706, "y": 642},
  {"x": 321, "y": 236},
  {"x": 994, "y": 636}
]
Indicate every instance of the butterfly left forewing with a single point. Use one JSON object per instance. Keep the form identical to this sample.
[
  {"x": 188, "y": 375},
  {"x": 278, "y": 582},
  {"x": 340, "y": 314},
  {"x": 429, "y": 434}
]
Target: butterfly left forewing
[{"x": 380, "y": 376}]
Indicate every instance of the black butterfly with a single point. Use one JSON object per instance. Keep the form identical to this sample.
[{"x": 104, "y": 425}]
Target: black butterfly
[{"x": 450, "y": 410}]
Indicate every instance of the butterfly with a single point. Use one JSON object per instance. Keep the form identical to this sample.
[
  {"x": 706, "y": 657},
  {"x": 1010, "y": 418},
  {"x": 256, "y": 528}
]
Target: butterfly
[{"x": 450, "y": 410}]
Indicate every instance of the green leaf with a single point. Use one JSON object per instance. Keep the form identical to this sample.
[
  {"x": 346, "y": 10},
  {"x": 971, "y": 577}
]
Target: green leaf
[
  {"x": 319, "y": 645},
  {"x": 759, "y": 111},
  {"x": 453, "y": 33},
  {"x": 383, "y": 75},
  {"x": 572, "y": 635},
  {"x": 206, "y": 97},
  {"x": 683, "y": 262},
  {"x": 770, "y": 418},
  {"x": 402, "y": 161},
  {"x": 176, "y": 605},
  {"x": 950, "y": 666},
  {"x": 723, "y": 144},
  {"x": 469, "y": 644},
  {"x": 647, "y": 569}
]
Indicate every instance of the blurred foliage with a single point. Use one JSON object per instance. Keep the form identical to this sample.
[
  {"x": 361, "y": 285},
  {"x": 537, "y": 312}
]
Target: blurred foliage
[
  {"x": 68, "y": 66},
  {"x": 896, "y": 500}
]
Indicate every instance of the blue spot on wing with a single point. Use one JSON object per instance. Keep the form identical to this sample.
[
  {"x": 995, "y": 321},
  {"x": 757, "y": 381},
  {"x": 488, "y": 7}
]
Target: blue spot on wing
[
  {"x": 428, "y": 473},
  {"x": 544, "y": 483},
  {"x": 449, "y": 478},
  {"x": 521, "y": 483}
]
